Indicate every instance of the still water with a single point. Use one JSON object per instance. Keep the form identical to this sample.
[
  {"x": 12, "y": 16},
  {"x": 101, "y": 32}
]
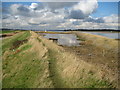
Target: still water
[
  {"x": 64, "y": 39},
  {"x": 71, "y": 39},
  {"x": 106, "y": 34}
]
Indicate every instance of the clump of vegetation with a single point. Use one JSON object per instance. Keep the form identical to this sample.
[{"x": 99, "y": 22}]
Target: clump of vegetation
[
  {"x": 8, "y": 42},
  {"x": 17, "y": 43},
  {"x": 39, "y": 39},
  {"x": 80, "y": 38}
]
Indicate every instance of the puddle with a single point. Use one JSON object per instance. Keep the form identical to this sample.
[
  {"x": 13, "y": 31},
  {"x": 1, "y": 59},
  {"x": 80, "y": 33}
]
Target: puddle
[{"x": 63, "y": 39}]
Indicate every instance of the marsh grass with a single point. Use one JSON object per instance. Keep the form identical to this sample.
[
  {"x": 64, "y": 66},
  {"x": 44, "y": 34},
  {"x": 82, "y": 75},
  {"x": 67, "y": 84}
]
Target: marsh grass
[{"x": 8, "y": 42}]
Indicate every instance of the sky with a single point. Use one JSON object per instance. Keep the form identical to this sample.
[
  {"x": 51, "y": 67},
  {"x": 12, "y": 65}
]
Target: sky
[{"x": 60, "y": 15}]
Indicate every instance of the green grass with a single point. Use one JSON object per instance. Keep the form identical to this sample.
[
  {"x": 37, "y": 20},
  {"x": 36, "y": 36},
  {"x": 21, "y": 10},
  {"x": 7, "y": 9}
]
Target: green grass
[
  {"x": 23, "y": 69},
  {"x": 7, "y": 31},
  {"x": 14, "y": 60},
  {"x": 25, "y": 47},
  {"x": 26, "y": 72},
  {"x": 7, "y": 43}
]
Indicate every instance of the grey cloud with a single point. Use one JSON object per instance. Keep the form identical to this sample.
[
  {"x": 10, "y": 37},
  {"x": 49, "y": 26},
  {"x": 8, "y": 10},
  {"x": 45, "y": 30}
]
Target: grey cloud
[
  {"x": 37, "y": 23},
  {"x": 33, "y": 23},
  {"x": 5, "y": 16},
  {"x": 94, "y": 20},
  {"x": 77, "y": 14},
  {"x": 19, "y": 9},
  {"x": 22, "y": 8},
  {"x": 76, "y": 22},
  {"x": 58, "y": 5},
  {"x": 5, "y": 10}
]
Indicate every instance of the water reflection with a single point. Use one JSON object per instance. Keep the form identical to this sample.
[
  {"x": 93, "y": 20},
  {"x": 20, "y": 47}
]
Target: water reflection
[
  {"x": 106, "y": 34},
  {"x": 64, "y": 39}
]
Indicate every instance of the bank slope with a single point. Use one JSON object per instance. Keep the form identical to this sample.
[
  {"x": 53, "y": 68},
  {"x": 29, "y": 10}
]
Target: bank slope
[{"x": 31, "y": 61}]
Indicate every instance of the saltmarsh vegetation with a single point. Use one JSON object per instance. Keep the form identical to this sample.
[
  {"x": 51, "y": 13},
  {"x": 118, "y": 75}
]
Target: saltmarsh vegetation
[{"x": 36, "y": 62}]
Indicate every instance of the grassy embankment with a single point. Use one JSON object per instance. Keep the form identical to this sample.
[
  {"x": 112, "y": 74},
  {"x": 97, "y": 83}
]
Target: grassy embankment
[
  {"x": 23, "y": 65},
  {"x": 35, "y": 62}
]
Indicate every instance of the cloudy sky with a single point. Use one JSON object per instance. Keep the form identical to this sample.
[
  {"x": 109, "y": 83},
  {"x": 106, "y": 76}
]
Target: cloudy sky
[{"x": 60, "y": 15}]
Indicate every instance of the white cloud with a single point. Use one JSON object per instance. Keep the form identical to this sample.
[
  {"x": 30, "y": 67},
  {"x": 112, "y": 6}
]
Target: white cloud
[
  {"x": 19, "y": 9},
  {"x": 86, "y": 6},
  {"x": 57, "y": 16},
  {"x": 47, "y": 17},
  {"x": 111, "y": 19},
  {"x": 34, "y": 5}
]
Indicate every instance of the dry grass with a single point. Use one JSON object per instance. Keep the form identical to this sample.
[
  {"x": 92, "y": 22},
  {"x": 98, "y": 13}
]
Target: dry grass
[
  {"x": 41, "y": 63},
  {"x": 73, "y": 71},
  {"x": 48, "y": 32},
  {"x": 100, "y": 41}
]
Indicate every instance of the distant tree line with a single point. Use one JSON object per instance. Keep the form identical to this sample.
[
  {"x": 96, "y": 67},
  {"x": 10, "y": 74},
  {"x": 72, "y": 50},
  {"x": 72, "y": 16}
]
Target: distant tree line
[{"x": 69, "y": 30}]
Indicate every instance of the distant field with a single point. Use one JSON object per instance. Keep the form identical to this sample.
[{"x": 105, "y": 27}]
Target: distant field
[
  {"x": 6, "y": 31},
  {"x": 9, "y": 31}
]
